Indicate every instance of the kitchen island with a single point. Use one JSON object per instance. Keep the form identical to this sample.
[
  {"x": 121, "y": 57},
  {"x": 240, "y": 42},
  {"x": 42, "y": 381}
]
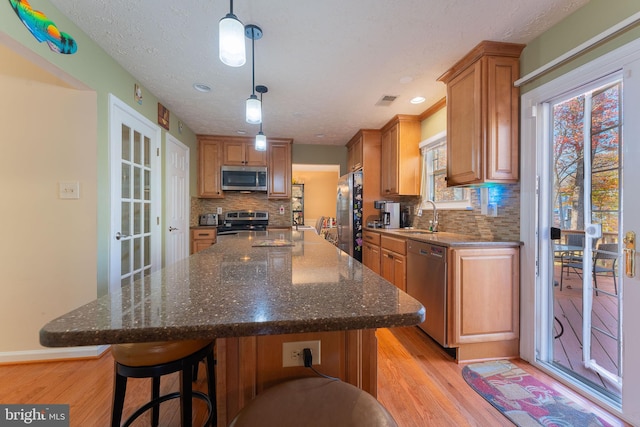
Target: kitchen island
[{"x": 253, "y": 292}]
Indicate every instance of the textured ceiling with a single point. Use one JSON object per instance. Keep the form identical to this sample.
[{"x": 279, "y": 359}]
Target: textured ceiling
[{"x": 326, "y": 63}]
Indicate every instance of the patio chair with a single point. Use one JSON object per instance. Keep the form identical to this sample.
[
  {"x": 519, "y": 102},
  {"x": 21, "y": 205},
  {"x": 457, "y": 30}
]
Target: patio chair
[{"x": 605, "y": 258}]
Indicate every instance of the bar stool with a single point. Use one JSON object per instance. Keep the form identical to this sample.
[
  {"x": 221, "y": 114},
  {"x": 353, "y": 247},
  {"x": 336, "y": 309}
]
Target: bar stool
[
  {"x": 155, "y": 359},
  {"x": 314, "y": 402}
]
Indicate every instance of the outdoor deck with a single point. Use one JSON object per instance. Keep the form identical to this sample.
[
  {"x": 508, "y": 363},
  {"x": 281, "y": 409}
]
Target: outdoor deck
[{"x": 568, "y": 310}]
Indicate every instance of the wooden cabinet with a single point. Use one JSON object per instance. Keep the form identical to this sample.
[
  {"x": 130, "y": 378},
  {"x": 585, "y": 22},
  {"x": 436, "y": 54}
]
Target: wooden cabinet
[
  {"x": 400, "y": 157},
  {"x": 209, "y": 157},
  {"x": 354, "y": 150},
  {"x": 364, "y": 153},
  {"x": 240, "y": 152},
  {"x": 279, "y": 168},
  {"x": 393, "y": 260},
  {"x": 212, "y": 151},
  {"x": 483, "y": 302},
  {"x": 202, "y": 238},
  {"x": 247, "y": 366},
  {"x": 371, "y": 250},
  {"x": 482, "y": 115}
]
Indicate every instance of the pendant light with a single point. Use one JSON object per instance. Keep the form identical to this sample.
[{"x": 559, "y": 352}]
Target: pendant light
[
  {"x": 261, "y": 139},
  {"x": 231, "y": 43},
  {"x": 253, "y": 106}
]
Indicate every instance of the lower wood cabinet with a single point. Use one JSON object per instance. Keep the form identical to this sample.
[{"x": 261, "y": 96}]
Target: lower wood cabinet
[
  {"x": 484, "y": 302},
  {"x": 202, "y": 239},
  {"x": 247, "y": 366},
  {"x": 371, "y": 250},
  {"x": 393, "y": 261}
]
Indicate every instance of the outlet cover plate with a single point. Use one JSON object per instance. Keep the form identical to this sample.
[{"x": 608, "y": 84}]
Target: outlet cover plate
[{"x": 292, "y": 353}]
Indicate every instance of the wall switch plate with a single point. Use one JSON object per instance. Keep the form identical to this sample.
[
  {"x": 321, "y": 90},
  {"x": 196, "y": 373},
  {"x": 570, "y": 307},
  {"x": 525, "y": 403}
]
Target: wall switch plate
[
  {"x": 219, "y": 210},
  {"x": 69, "y": 189},
  {"x": 419, "y": 213},
  {"x": 281, "y": 210},
  {"x": 292, "y": 353}
]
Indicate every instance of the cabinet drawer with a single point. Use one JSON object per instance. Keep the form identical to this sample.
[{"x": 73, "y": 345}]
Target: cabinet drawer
[
  {"x": 203, "y": 234},
  {"x": 394, "y": 244},
  {"x": 371, "y": 237}
]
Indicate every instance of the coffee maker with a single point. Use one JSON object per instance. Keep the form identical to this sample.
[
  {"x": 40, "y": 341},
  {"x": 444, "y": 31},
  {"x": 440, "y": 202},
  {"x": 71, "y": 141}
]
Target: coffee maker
[{"x": 389, "y": 213}]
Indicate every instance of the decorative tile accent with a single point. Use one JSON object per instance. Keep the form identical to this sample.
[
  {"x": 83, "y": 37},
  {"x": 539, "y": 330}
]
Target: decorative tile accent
[
  {"x": 234, "y": 201},
  {"x": 506, "y": 226}
]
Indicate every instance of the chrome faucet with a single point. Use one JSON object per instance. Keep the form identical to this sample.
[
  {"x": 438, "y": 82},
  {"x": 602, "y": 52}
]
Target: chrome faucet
[{"x": 434, "y": 222}]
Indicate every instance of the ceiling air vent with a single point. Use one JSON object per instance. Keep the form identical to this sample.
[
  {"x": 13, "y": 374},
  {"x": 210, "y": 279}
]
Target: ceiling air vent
[{"x": 386, "y": 100}]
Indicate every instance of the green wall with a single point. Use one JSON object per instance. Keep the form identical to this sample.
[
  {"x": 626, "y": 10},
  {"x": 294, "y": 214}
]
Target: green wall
[
  {"x": 94, "y": 68},
  {"x": 587, "y": 22},
  {"x": 307, "y": 154}
]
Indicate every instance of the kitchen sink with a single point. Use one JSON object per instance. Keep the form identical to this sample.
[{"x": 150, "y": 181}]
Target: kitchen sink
[{"x": 416, "y": 232}]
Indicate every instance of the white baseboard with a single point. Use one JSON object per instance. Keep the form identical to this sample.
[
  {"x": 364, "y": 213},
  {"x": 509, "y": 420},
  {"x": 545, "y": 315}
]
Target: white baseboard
[{"x": 51, "y": 354}]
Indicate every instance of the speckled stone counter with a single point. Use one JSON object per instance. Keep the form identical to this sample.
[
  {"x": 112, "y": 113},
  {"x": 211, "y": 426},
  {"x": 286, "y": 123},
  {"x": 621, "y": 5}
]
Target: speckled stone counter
[
  {"x": 444, "y": 238},
  {"x": 235, "y": 289}
]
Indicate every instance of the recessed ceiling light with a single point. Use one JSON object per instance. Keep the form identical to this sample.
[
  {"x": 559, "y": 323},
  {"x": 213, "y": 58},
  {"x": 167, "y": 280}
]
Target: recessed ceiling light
[
  {"x": 201, "y": 87},
  {"x": 406, "y": 79},
  {"x": 320, "y": 135},
  {"x": 417, "y": 100},
  {"x": 241, "y": 132}
]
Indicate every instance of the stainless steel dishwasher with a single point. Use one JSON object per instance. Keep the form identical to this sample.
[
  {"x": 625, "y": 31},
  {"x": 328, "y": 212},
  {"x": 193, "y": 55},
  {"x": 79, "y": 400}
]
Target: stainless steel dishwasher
[{"x": 427, "y": 282}]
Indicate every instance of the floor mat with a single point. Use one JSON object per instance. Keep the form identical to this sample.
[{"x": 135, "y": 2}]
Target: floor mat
[{"x": 525, "y": 400}]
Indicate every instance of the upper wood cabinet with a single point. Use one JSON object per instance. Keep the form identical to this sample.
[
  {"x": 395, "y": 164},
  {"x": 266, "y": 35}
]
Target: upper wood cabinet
[
  {"x": 209, "y": 158},
  {"x": 354, "y": 150},
  {"x": 237, "y": 151},
  {"x": 482, "y": 115},
  {"x": 279, "y": 168},
  {"x": 364, "y": 153},
  {"x": 400, "y": 157}
]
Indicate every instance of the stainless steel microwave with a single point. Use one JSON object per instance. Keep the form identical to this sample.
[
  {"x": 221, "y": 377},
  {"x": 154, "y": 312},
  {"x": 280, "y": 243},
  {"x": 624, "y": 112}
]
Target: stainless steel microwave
[{"x": 244, "y": 178}]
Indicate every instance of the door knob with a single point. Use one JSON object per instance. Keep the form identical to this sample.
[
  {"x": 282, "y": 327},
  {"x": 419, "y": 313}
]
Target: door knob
[
  {"x": 630, "y": 254},
  {"x": 120, "y": 235}
]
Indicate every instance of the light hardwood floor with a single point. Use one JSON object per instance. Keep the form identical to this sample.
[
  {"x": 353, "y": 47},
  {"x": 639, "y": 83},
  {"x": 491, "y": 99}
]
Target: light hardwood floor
[{"x": 417, "y": 381}]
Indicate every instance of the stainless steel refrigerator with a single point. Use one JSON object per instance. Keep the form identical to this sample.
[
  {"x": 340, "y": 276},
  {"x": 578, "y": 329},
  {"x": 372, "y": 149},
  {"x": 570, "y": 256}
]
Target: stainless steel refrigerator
[{"x": 349, "y": 214}]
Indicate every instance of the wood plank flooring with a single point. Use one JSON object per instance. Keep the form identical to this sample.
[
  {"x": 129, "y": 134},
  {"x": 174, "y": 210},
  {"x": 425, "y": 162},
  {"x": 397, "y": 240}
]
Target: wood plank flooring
[
  {"x": 417, "y": 381},
  {"x": 568, "y": 312}
]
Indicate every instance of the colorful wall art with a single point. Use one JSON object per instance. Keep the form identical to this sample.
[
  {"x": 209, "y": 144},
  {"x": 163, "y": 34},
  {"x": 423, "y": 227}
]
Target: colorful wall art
[{"x": 43, "y": 29}]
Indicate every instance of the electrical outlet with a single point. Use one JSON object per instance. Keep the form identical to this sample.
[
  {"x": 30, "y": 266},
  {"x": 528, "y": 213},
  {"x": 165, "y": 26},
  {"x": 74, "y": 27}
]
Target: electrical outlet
[
  {"x": 69, "y": 189},
  {"x": 292, "y": 352},
  {"x": 281, "y": 210},
  {"x": 419, "y": 212},
  {"x": 219, "y": 210}
]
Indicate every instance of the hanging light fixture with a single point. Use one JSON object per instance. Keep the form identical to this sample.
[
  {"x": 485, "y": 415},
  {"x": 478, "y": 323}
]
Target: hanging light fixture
[
  {"x": 232, "y": 45},
  {"x": 261, "y": 140},
  {"x": 254, "y": 107}
]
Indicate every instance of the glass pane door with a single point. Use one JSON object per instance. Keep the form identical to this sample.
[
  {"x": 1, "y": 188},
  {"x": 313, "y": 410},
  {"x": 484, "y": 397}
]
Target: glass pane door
[{"x": 586, "y": 168}]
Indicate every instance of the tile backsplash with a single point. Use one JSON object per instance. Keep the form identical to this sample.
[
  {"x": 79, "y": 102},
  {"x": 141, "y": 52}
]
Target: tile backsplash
[
  {"x": 504, "y": 226},
  {"x": 234, "y": 201}
]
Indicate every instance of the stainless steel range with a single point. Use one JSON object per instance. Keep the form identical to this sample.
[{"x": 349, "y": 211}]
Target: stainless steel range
[{"x": 235, "y": 221}]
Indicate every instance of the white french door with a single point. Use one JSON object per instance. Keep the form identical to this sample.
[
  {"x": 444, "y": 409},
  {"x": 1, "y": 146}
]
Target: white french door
[
  {"x": 135, "y": 239},
  {"x": 177, "y": 201}
]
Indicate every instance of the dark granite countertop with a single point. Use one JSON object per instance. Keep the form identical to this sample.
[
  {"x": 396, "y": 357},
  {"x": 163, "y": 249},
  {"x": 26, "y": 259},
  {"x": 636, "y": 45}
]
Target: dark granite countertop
[
  {"x": 443, "y": 238},
  {"x": 236, "y": 289}
]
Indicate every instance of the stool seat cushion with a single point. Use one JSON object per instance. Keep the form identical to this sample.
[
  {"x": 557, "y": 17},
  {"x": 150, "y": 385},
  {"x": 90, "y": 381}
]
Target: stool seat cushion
[
  {"x": 155, "y": 353},
  {"x": 314, "y": 402}
]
